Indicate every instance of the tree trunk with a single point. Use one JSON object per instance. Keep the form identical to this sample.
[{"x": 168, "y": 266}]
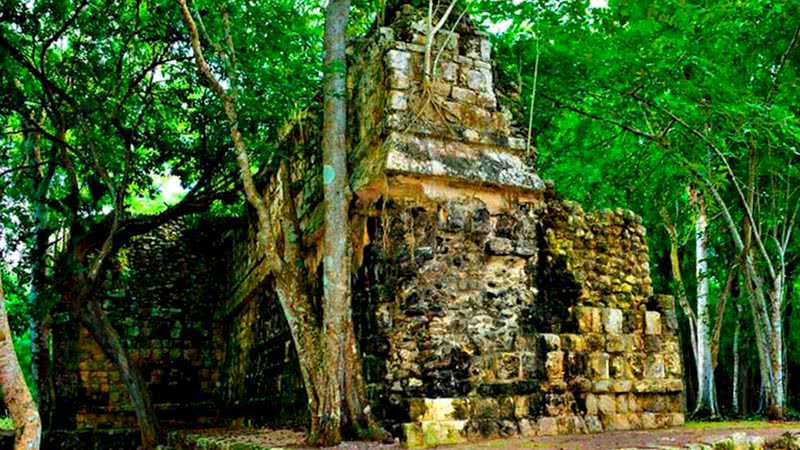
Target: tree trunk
[
  {"x": 92, "y": 316},
  {"x": 38, "y": 303},
  {"x": 40, "y": 324},
  {"x": 776, "y": 408},
  {"x": 345, "y": 385},
  {"x": 735, "y": 388},
  {"x": 17, "y": 397},
  {"x": 41, "y": 335},
  {"x": 706, "y": 389}
]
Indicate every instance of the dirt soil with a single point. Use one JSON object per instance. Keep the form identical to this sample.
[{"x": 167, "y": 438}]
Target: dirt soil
[{"x": 692, "y": 433}]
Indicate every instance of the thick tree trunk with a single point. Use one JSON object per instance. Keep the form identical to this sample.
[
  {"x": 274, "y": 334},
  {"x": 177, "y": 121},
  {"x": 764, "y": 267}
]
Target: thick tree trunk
[
  {"x": 92, "y": 316},
  {"x": 706, "y": 389},
  {"x": 17, "y": 397},
  {"x": 345, "y": 387},
  {"x": 336, "y": 262}
]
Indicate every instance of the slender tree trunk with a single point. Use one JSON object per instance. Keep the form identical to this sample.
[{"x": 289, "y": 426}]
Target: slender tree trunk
[
  {"x": 95, "y": 320},
  {"x": 777, "y": 408},
  {"x": 736, "y": 331},
  {"x": 40, "y": 321},
  {"x": 17, "y": 397},
  {"x": 40, "y": 326},
  {"x": 706, "y": 389}
]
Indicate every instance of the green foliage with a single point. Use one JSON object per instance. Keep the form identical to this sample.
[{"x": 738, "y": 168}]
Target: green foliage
[
  {"x": 6, "y": 424},
  {"x": 640, "y": 101}
]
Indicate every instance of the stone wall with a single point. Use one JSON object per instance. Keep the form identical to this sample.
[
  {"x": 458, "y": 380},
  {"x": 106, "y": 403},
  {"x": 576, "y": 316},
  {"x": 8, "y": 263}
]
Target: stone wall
[
  {"x": 485, "y": 305},
  {"x": 475, "y": 322},
  {"x": 161, "y": 297}
]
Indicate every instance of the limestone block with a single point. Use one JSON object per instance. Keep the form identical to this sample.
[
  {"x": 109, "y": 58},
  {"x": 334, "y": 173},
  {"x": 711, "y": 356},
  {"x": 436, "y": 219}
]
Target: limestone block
[
  {"x": 591, "y": 405},
  {"x": 635, "y": 419},
  {"x": 652, "y": 323},
  {"x": 521, "y": 406},
  {"x": 516, "y": 143},
  {"x": 550, "y": 342},
  {"x": 618, "y": 367},
  {"x": 530, "y": 366},
  {"x": 548, "y": 426},
  {"x": 621, "y": 386},
  {"x": 573, "y": 342},
  {"x": 471, "y": 135},
  {"x": 554, "y": 366},
  {"x": 437, "y": 409},
  {"x": 677, "y": 419},
  {"x": 443, "y": 433},
  {"x": 475, "y": 80},
  {"x": 612, "y": 320},
  {"x": 598, "y": 363},
  {"x": 398, "y": 100},
  {"x": 499, "y": 246},
  {"x": 486, "y": 50},
  {"x": 465, "y": 96},
  {"x": 593, "y": 424},
  {"x": 399, "y": 79},
  {"x": 571, "y": 424},
  {"x": 606, "y": 405},
  {"x": 649, "y": 421},
  {"x": 673, "y": 364},
  {"x": 484, "y": 408},
  {"x": 601, "y": 386},
  {"x": 588, "y": 319},
  {"x": 655, "y": 368},
  {"x": 652, "y": 344},
  {"x": 618, "y": 343},
  {"x": 526, "y": 428},
  {"x": 399, "y": 60},
  {"x": 412, "y": 435},
  {"x": 525, "y": 248},
  {"x": 508, "y": 366},
  {"x": 448, "y": 71},
  {"x": 622, "y": 404},
  {"x": 617, "y": 422},
  {"x": 595, "y": 342},
  {"x": 487, "y": 100},
  {"x": 465, "y": 61}
]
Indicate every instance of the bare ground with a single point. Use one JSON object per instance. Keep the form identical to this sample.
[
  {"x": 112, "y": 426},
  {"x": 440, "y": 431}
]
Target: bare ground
[{"x": 692, "y": 433}]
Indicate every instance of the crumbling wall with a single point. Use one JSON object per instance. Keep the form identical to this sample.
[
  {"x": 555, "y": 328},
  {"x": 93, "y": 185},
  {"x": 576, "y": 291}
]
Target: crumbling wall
[
  {"x": 484, "y": 304},
  {"x": 468, "y": 329},
  {"x": 161, "y": 297}
]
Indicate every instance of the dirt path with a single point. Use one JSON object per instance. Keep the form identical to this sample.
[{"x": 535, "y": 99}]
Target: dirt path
[{"x": 692, "y": 433}]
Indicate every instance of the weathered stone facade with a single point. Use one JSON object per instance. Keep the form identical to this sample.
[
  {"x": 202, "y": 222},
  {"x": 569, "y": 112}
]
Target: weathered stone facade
[
  {"x": 484, "y": 304},
  {"x": 161, "y": 296}
]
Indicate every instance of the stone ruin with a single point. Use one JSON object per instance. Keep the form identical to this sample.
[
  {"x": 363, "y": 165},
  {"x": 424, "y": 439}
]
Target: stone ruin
[{"x": 485, "y": 305}]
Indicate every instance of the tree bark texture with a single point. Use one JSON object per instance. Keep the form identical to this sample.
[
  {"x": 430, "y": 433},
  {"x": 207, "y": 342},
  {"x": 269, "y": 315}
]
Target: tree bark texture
[
  {"x": 95, "y": 320},
  {"x": 706, "y": 389},
  {"x": 17, "y": 396},
  {"x": 326, "y": 345}
]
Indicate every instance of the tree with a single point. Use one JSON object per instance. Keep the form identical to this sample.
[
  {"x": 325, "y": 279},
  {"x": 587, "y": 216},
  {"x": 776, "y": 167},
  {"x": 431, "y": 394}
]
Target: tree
[
  {"x": 17, "y": 397},
  {"x": 329, "y": 361},
  {"x": 672, "y": 94},
  {"x": 96, "y": 94}
]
